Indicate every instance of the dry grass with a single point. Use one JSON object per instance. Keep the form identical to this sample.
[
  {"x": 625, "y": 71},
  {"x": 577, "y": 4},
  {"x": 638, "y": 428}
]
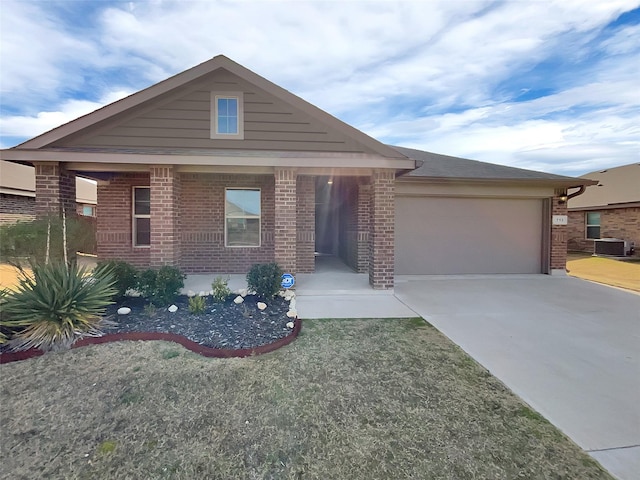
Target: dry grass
[
  {"x": 350, "y": 399},
  {"x": 9, "y": 276},
  {"x": 609, "y": 271}
]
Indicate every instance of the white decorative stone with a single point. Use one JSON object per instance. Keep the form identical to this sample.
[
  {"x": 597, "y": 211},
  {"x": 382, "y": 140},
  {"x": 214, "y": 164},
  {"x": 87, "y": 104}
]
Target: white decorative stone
[
  {"x": 191, "y": 293},
  {"x": 124, "y": 311},
  {"x": 173, "y": 309},
  {"x": 211, "y": 292},
  {"x": 202, "y": 293},
  {"x": 292, "y": 314},
  {"x": 261, "y": 306},
  {"x": 290, "y": 324},
  {"x": 238, "y": 300},
  {"x": 243, "y": 292},
  {"x": 292, "y": 304},
  {"x": 289, "y": 295}
]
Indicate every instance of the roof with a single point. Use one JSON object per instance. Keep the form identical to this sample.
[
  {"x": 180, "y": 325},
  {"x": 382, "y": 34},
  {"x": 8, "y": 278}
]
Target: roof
[
  {"x": 616, "y": 186},
  {"x": 16, "y": 179},
  {"x": 445, "y": 167}
]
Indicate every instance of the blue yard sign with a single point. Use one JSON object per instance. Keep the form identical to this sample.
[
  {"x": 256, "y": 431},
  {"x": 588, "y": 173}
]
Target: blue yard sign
[{"x": 287, "y": 280}]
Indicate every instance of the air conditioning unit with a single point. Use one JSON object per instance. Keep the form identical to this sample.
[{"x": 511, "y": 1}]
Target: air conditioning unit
[{"x": 613, "y": 246}]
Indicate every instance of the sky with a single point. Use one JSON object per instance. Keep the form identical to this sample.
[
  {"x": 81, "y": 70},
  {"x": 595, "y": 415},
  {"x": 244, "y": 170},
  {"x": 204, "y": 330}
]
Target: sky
[{"x": 549, "y": 85}]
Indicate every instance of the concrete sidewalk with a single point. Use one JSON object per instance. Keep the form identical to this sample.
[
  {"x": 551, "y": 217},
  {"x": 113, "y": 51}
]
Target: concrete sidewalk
[{"x": 567, "y": 347}]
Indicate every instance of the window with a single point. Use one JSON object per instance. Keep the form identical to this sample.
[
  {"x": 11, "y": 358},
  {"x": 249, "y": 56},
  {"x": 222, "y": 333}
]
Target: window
[
  {"x": 88, "y": 211},
  {"x": 141, "y": 216},
  {"x": 227, "y": 120},
  {"x": 242, "y": 217},
  {"x": 593, "y": 225}
]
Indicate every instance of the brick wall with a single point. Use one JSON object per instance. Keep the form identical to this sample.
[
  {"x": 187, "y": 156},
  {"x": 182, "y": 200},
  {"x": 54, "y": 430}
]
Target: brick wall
[
  {"x": 202, "y": 223},
  {"x": 381, "y": 229},
  {"x": 165, "y": 216},
  {"x": 306, "y": 225},
  {"x": 558, "y": 236},
  {"x": 55, "y": 189},
  {"x": 285, "y": 250},
  {"x": 363, "y": 201},
  {"x": 16, "y": 208},
  {"x": 623, "y": 223},
  {"x": 114, "y": 220}
]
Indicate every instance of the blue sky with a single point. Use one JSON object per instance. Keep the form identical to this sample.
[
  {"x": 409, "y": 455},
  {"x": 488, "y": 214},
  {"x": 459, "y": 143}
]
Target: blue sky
[{"x": 549, "y": 85}]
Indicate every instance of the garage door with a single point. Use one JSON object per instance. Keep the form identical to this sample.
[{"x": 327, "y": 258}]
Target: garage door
[{"x": 448, "y": 236}]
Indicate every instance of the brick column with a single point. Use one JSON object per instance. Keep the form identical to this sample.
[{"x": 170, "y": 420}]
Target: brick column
[
  {"x": 55, "y": 189},
  {"x": 306, "y": 224},
  {"x": 165, "y": 221},
  {"x": 362, "y": 240},
  {"x": 558, "y": 237},
  {"x": 285, "y": 249},
  {"x": 381, "y": 229}
]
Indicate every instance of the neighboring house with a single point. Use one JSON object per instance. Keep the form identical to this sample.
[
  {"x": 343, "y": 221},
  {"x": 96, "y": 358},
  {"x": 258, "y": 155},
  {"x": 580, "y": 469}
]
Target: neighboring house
[
  {"x": 217, "y": 168},
  {"x": 18, "y": 193},
  {"x": 610, "y": 209}
]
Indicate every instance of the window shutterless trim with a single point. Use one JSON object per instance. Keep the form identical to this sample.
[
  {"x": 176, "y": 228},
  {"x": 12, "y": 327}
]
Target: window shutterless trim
[
  {"x": 215, "y": 132},
  {"x": 259, "y": 217},
  {"x": 135, "y": 216},
  {"x": 588, "y": 225}
]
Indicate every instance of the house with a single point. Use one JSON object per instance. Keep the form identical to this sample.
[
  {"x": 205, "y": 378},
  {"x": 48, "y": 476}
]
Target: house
[
  {"x": 217, "y": 168},
  {"x": 18, "y": 194},
  {"x": 610, "y": 209}
]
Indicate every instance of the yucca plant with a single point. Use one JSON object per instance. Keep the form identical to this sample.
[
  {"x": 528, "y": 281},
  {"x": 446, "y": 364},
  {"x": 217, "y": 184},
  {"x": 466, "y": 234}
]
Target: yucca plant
[{"x": 57, "y": 304}]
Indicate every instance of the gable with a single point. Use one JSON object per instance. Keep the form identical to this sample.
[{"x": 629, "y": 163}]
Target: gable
[{"x": 183, "y": 119}]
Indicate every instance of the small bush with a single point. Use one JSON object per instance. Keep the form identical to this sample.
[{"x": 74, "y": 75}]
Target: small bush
[
  {"x": 197, "y": 304},
  {"x": 220, "y": 289},
  {"x": 160, "y": 287},
  {"x": 265, "y": 279},
  {"x": 124, "y": 274},
  {"x": 56, "y": 305}
]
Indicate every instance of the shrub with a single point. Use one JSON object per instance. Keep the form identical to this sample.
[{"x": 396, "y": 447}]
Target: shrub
[
  {"x": 197, "y": 304},
  {"x": 28, "y": 240},
  {"x": 265, "y": 279},
  {"x": 125, "y": 275},
  {"x": 56, "y": 305},
  {"x": 160, "y": 287},
  {"x": 220, "y": 289}
]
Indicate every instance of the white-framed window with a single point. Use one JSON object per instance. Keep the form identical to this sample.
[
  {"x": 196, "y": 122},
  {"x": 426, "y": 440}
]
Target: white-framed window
[
  {"x": 141, "y": 216},
  {"x": 592, "y": 220},
  {"x": 227, "y": 115},
  {"x": 242, "y": 217}
]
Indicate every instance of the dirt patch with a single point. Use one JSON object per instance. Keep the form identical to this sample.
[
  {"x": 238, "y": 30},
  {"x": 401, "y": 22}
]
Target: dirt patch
[
  {"x": 356, "y": 399},
  {"x": 618, "y": 273}
]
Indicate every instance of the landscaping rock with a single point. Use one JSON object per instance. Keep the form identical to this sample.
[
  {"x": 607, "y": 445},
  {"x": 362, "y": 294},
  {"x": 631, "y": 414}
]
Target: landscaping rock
[{"x": 124, "y": 311}]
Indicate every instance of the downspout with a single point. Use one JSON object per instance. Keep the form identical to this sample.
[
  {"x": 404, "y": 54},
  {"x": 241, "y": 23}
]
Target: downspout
[{"x": 579, "y": 192}]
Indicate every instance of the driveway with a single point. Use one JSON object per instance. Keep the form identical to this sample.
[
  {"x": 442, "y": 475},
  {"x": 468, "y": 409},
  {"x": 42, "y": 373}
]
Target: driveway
[{"x": 568, "y": 347}]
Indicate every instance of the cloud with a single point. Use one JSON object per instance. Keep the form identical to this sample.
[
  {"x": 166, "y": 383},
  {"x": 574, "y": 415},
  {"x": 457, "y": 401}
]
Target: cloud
[{"x": 533, "y": 84}]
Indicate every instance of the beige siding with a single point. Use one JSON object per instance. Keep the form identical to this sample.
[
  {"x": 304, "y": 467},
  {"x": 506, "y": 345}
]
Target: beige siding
[{"x": 183, "y": 121}]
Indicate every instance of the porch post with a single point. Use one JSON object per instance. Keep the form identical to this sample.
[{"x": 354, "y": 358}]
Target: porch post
[
  {"x": 362, "y": 232},
  {"x": 285, "y": 238},
  {"x": 306, "y": 224},
  {"x": 381, "y": 229},
  {"x": 55, "y": 189},
  {"x": 164, "y": 183}
]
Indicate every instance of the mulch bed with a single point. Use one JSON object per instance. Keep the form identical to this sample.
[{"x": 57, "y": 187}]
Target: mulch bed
[{"x": 222, "y": 330}]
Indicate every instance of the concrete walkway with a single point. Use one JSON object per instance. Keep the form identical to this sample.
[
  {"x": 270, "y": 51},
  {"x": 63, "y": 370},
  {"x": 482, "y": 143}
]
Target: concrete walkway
[{"x": 569, "y": 348}]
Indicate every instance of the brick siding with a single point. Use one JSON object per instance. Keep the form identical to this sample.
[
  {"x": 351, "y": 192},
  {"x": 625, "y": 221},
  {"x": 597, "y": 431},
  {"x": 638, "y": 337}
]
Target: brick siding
[
  {"x": 114, "y": 219},
  {"x": 364, "y": 217},
  {"x": 285, "y": 250},
  {"x": 55, "y": 189},
  {"x": 306, "y": 225},
  {"x": 16, "y": 208},
  {"x": 165, "y": 216},
  {"x": 558, "y": 236},
  {"x": 623, "y": 223},
  {"x": 381, "y": 229}
]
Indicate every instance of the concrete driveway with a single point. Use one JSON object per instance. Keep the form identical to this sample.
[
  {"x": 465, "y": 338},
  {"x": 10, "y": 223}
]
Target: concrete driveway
[{"x": 568, "y": 347}]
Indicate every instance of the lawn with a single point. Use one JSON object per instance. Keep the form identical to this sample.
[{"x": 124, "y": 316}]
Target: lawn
[
  {"x": 350, "y": 399},
  {"x": 618, "y": 273}
]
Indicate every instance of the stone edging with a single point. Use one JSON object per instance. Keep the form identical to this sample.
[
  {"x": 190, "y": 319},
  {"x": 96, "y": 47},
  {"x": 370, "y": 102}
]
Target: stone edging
[{"x": 8, "y": 357}]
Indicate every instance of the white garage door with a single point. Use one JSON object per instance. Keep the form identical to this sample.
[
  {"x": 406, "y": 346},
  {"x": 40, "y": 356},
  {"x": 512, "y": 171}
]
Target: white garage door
[{"x": 448, "y": 236}]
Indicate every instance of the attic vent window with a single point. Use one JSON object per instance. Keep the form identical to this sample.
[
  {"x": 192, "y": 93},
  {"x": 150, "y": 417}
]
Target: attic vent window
[{"x": 227, "y": 115}]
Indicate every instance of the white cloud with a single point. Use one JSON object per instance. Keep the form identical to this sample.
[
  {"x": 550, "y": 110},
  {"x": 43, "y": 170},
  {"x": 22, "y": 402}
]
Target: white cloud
[{"x": 423, "y": 74}]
